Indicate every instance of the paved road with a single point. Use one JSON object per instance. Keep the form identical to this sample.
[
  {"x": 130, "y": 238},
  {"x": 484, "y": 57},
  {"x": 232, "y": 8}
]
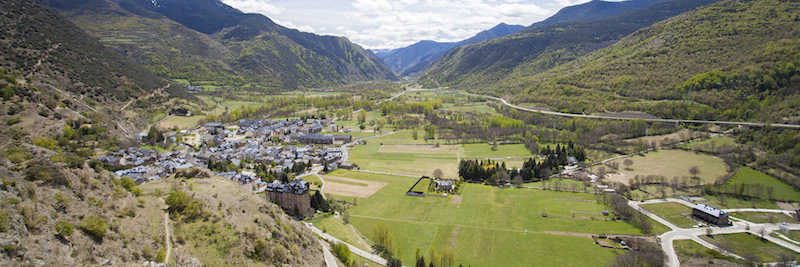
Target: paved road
[
  {"x": 355, "y": 250},
  {"x": 741, "y": 226},
  {"x": 757, "y": 124},
  {"x": 346, "y": 154},
  {"x": 330, "y": 260},
  {"x": 788, "y": 213}
]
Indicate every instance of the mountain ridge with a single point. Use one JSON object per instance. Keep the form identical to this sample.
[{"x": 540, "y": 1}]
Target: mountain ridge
[{"x": 223, "y": 44}]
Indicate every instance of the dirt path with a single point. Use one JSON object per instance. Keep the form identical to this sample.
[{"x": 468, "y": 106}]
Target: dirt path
[{"x": 167, "y": 239}]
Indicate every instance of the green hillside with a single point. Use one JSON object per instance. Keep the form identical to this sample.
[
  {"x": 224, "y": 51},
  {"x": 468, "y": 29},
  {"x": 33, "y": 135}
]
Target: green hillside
[
  {"x": 41, "y": 46},
  {"x": 541, "y": 48},
  {"x": 731, "y": 60},
  {"x": 243, "y": 49}
]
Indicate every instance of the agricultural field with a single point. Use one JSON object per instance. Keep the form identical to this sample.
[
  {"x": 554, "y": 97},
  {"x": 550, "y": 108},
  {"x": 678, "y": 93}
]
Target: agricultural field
[
  {"x": 676, "y": 213},
  {"x": 480, "y": 108},
  {"x": 732, "y": 203},
  {"x": 482, "y": 151},
  {"x": 743, "y": 243},
  {"x": 782, "y": 191},
  {"x": 762, "y": 217},
  {"x": 406, "y": 159},
  {"x": 488, "y": 225},
  {"x": 712, "y": 145},
  {"x": 670, "y": 163},
  {"x": 181, "y": 122},
  {"x": 690, "y": 251}
]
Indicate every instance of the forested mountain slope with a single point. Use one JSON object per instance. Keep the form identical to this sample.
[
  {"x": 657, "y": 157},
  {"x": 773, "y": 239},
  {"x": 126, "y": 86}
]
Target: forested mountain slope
[
  {"x": 594, "y": 10},
  {"x": 207, "y": 40},
  {"x": 541, "y": 48},
  {"x": 733, "y": 60}
]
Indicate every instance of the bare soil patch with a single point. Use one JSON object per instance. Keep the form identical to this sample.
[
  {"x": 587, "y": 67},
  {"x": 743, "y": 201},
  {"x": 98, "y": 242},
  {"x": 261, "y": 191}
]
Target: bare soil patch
[
  {"x": 786, "y": 206},
  {"x": 659, "y": 139},
  {"x": 351, "y": 190},
  {"x": 456, "y": 200}
]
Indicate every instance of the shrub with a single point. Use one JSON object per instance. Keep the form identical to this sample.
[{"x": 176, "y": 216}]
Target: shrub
[
  {"x": 160, "y": 254},
  {"x": 177, "y": 201},
  {"x": 3, "y": 221},
  {"x": 64, "y": 228},
  {"x": 95, "y": 226},
  {"x": 73, "y": 161},
  {"x": 46, "y": 142},
  {"x": 62, "y": 203},
  {"x": 17, "y": 154},
  {"x": 43, "y": 170},
  {"x": 13, "y": 120}
]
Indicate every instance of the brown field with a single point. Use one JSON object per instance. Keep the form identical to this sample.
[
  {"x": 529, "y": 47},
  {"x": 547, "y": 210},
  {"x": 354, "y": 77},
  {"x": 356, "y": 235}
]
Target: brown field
[
  {"x": 659, "y": 139},
  {"x": 351, "y": 187}
]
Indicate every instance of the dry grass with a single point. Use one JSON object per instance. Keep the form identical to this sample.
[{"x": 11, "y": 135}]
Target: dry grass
[{"x": 351, "y": 187}]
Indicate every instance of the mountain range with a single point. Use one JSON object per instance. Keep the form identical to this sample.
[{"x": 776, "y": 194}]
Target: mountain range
[
  {"x": 207, "y": 40},
  {"x": 413, "y": 59},
  {"x": 677, "y": 59}
]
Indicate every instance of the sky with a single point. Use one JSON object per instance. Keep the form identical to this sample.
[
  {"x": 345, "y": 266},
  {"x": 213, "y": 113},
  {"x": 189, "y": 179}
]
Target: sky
[{"x": 389, "y": 24}]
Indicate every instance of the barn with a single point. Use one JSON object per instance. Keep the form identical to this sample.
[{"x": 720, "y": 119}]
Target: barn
[{"x": 711, "y": 215}]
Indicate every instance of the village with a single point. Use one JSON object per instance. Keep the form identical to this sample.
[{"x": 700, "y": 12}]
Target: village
[{"x": 284, "y": 146}]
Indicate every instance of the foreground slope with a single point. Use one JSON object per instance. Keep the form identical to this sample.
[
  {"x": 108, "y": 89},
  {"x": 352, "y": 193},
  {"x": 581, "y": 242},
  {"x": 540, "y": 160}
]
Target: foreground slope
[{"x": 208, "y": 40}]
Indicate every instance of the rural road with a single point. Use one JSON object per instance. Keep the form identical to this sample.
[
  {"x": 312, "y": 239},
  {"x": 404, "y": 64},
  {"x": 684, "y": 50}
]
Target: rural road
[
  {"x": 355, "y": 250},
  {"x": 740, "y": 226},
  {"x": 619, "y": 118}
]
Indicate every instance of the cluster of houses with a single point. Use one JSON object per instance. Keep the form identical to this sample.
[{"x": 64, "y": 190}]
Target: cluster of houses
[{"x": 144, "y": 164}]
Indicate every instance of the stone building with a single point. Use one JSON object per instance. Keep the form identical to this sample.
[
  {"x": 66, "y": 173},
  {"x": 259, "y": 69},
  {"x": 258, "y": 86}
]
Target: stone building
[{"x": 293, "y": 197}]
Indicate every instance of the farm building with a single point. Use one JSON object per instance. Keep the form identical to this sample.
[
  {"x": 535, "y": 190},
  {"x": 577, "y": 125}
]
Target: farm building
[
  {"x": 444, "y": 185},
  {"x": 711, "y": 215},
  {"x": 293, "y": 197}
]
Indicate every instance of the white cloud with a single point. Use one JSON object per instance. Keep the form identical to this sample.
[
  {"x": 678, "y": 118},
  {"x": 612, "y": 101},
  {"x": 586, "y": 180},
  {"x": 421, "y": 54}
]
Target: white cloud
[{"x": 384, "y": 24}]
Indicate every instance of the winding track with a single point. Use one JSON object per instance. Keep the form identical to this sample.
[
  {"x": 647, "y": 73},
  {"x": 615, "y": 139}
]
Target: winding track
[{"x": 555, "y": 113}]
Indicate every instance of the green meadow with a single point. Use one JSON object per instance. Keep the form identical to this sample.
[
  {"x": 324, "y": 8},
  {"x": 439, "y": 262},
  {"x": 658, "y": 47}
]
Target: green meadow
[
  {"x": 782, "y": 191},
  {"x": 490, "y": 226}
]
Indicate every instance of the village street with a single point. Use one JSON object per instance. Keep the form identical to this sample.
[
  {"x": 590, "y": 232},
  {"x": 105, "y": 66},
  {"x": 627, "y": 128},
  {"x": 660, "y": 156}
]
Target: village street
[{"x": 738, "y": 226}]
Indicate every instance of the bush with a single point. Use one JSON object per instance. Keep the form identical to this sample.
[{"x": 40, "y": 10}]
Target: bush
[
  {"x": 43, "y": 170},
  {"x": 95, "y": 226},
  {"x": 177, "y": 201},
  {"x": 73, "y": 161},
  {"x": 3, "y": 221},
  {"x": 64, "y": 228},
  {"x": 13, "y": 120},
  {"x": 160, "y": 255},
  {"x": 46, "y": 142},
  {"x": 17, "y": 154}
]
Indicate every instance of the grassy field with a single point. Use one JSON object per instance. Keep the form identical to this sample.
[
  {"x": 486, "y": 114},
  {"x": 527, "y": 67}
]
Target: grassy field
[
  {"x": 731, "y": 203},
  {"x": 687, "y": 249},
  {"x": 783, "y": 191},
  {"x": 181, "y": 122},
  {"x": 560, "y": 183},
  {"x": 415, "y": 160},
  {"x": 744, "y": 243},
  {"x": 794, "y": 235},
  {"x": 672, "y": 212},
  {"x": 475, "y": 108},
  {"x": 711, "y": 144},
  {"x": 491, "y": 226},
  {"x": 334, "y": 226},
  {"x": 482, "y": 151},
  {"x": 671, "y": 163},
  {"x": 762, "y": 217}
]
